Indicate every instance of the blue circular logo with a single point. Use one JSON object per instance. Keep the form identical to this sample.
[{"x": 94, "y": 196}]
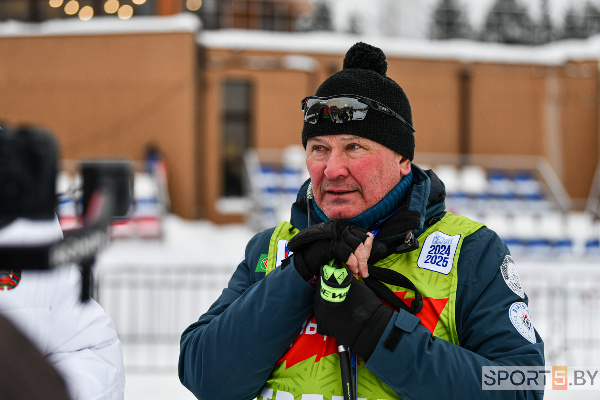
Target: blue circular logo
[{"x": 521, "y": 319}]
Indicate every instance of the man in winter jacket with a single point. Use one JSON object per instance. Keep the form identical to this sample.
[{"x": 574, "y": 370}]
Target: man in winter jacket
[
  {"x": 436, "y": 299},
  {"x": 78, "y": 339}
]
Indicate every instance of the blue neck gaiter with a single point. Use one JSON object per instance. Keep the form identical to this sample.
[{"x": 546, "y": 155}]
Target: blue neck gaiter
[{"x": 390, "y": 203}]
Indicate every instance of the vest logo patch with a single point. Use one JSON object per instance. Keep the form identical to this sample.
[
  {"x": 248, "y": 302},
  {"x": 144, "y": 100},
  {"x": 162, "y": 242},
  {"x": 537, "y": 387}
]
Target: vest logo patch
[
  {"x": 521, "y": 319},
  {"x": 438, "y": 252},
  {"x": 282, "y": 251},
  {"x": 261, "y": 266},
  {"x": 511, "y": 277}
]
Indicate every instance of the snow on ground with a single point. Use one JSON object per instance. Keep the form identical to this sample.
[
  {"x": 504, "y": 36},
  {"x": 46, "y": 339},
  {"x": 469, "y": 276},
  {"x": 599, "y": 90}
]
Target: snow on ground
[
  {"x": 184, "y": 243},
  {"x": 156, "y": 387}
]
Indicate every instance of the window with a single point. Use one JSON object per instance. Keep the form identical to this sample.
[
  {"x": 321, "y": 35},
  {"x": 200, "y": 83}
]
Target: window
[
  {"x": 236, "y": 134},
  {"x": 212, "y": 12},
  {"x": 27, "y": 10},
  {"x": 270, "y": 15}
]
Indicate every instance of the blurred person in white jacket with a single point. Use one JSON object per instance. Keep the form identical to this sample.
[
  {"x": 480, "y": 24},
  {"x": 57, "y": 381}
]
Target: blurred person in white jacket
[{"x": 78, "y": 339}]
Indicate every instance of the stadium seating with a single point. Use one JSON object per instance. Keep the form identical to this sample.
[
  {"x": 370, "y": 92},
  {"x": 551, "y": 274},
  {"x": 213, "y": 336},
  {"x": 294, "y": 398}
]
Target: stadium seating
[{"x": 518, "y": 203}]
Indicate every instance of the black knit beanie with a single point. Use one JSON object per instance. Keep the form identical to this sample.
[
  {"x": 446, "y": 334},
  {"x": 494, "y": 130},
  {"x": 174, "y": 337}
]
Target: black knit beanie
[{"x": 364, "y": 74}]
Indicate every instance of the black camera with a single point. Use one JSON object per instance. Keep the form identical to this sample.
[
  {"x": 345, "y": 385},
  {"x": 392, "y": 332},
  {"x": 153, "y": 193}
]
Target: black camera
[
  {"x": 28, "y": 170},
  {"x": 113, "y": 175}
]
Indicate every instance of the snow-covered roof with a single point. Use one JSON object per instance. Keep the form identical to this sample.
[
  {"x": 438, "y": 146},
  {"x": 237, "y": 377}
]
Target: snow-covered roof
[
  {"x": 462, "y": 50},
  {"x": 555, "y": 53},
  {"x": 101, "y": 25}
]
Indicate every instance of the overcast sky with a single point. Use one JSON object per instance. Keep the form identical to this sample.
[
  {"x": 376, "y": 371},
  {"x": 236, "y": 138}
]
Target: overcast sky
[{"x": 413, "y": 15}]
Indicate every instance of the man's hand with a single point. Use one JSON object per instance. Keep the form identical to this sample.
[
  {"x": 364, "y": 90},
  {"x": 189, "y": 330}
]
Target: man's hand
[
  {"x": 316, "y": 245},
  {"x": 357, "y": 320}
]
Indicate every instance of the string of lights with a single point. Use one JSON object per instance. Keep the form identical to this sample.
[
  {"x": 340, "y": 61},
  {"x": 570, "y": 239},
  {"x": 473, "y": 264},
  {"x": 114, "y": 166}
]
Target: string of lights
[
  {"x": 124, "y": 9},
  {"x": 213, "y": 11},
  {"x": 193, "y": 5}
]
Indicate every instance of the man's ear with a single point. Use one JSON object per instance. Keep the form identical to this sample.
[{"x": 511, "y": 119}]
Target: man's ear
[{"x": 405, "y": 166}]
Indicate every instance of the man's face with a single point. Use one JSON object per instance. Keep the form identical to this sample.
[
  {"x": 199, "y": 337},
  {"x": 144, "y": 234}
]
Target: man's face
[{"x": 351, "y": 174}]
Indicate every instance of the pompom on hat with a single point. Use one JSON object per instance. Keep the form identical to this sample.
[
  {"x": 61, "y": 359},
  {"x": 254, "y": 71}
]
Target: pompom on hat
[{"x": 364, "y": 74}]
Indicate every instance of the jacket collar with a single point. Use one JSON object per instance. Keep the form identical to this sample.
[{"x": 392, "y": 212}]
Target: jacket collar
[{"x": 380, "y": 211}]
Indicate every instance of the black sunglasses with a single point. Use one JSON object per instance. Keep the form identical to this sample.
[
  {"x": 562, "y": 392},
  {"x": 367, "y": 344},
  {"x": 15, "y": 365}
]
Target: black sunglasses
[{"x": 344, "y": 108}]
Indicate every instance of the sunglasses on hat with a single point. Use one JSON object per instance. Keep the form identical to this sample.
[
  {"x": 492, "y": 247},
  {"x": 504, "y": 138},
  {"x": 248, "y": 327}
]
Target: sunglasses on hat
[{"x": 344, "y": 108}]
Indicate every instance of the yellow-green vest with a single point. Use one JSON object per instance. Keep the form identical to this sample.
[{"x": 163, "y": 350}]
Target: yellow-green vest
[{"x": 310, "y": 368}]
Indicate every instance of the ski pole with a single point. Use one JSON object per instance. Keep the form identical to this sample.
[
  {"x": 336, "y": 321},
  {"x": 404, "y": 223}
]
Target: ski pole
[{"x": 346, "y": 369}]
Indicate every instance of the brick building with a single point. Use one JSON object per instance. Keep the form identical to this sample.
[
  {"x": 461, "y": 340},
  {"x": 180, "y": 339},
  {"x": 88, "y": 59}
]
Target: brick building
[{"x": 203, "y": 97}]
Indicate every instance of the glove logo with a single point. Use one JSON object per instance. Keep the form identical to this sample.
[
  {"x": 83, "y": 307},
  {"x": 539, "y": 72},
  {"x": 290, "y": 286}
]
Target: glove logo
[
  {"x": 335, "y": 283},
  {"x": 333, "y": 295},
  {"x": 438, "y": 252}
]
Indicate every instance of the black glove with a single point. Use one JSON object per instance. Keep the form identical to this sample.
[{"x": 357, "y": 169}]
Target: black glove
[
  {"x": 316, "y": 245},
  {"x": 358, "y": 321}
]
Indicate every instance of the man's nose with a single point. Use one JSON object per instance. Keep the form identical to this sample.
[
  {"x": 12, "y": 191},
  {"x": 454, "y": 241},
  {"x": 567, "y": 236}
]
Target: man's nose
[{"x": 336, "y": 166}]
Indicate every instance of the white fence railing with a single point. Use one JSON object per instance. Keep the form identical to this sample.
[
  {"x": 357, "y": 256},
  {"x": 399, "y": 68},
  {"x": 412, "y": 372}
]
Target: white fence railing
[
  {"x": 152, "y": 306},
  {"x": 564, "y": 300}
]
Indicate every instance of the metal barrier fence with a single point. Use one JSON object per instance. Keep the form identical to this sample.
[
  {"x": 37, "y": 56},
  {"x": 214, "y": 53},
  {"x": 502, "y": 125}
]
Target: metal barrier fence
[
  {"x": 152, "y": 306},
  {"x": 564, "y": 300}
]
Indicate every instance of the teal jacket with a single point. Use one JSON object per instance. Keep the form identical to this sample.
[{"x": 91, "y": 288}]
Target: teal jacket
[{"x": 231, "y": 350}]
